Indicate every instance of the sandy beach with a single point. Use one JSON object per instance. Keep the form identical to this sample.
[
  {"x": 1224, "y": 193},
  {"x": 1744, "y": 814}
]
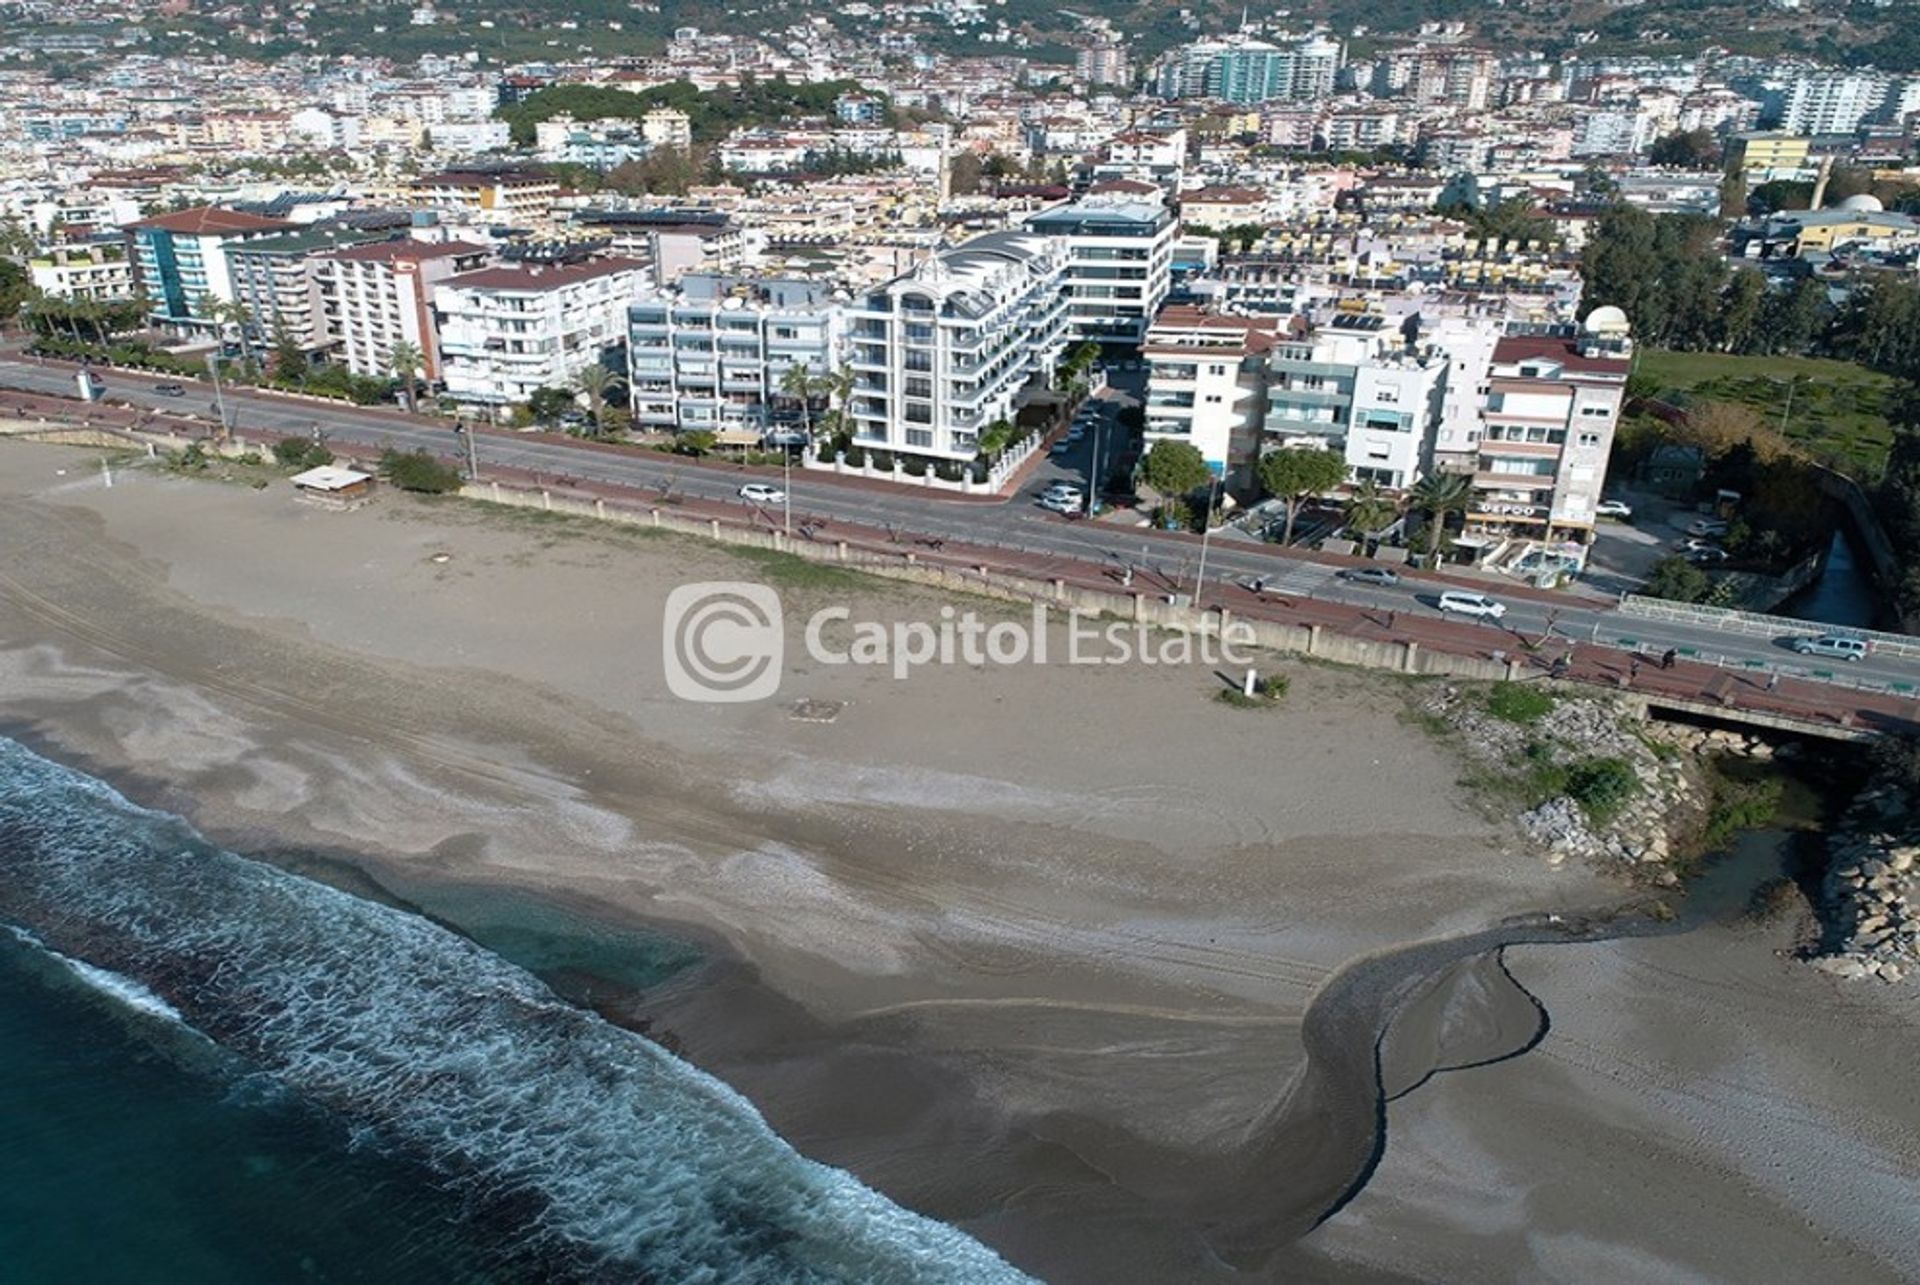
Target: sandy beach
[{"x": 1029, "y": 949}]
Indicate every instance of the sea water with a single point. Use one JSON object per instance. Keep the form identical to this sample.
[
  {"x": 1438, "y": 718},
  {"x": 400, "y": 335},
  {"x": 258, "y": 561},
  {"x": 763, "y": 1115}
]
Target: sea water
[{"x": 216, "y": 1070}]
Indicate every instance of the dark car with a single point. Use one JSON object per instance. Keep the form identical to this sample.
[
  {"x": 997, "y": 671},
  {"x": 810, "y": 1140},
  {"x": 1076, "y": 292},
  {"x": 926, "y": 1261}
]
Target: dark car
[
  {"x": 1371, "y": 575},
  {"x": 170, "y": 390}
]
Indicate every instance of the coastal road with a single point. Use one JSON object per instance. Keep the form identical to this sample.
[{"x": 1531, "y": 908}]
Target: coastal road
[{"x": 1157, "y": 561}]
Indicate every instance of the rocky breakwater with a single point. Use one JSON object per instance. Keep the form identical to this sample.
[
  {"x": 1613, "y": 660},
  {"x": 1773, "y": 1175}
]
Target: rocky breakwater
[
  {"x": 1870, "y": 928},
  {"x": 1585, "y": 778}
]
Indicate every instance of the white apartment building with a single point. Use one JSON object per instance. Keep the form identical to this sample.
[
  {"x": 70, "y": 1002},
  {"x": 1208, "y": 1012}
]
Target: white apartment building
[
  {"x": 946, "y": 350},
  {"x": 372, "y": 297},
  {"x": 510, "y": 330},
  {"x": 1360, "y": 388},
  {"x": 1553, "y": 401},
  {"x": 1206, "y": 382},
  {"x": 1837, "y": 102},
  {"x": 1119, "y": 257},
  {"x": 493, "y": 194},
  {"x": 87, "y": 272},
  {"x": 711, "y": 352}
]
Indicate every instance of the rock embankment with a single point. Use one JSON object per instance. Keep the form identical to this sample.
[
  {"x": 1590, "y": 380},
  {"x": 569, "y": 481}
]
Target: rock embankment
[
  {"x": 1867, "y": 910},
  {"x": 1534, "y": 760}
]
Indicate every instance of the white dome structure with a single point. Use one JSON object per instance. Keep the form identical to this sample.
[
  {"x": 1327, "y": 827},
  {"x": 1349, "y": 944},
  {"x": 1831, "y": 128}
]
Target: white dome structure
[
  {"x": 1606, "y": 321},
  {"x": 1862, "y": 204}
]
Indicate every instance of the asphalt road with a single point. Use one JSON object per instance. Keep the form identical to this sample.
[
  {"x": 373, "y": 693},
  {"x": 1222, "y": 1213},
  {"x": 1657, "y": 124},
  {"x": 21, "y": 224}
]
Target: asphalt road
[{"x": 1157, "y": 560}]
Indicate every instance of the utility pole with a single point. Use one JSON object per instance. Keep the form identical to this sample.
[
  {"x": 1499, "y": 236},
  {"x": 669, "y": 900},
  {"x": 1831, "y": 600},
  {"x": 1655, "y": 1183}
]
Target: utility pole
[
  {"x": 219, "y": 399},
  {"x": 786, "y": 490}
]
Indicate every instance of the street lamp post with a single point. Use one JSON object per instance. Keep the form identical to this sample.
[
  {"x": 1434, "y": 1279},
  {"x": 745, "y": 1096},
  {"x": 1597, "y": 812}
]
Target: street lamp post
[
  {"x": 1206, "y": 534},
  {"x": 1093, "y": 472}
]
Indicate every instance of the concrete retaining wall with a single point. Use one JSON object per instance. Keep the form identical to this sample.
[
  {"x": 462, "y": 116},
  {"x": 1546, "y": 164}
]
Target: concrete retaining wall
[{"x": 1151, "y": 609}]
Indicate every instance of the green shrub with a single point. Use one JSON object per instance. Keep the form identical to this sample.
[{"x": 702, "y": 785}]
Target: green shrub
[
  {"x": 1601, "y": 786},
  {"x": 420, "y": 472},
  {"x": 1519, "y": 703},
  {"x": 301, "y": 453}
]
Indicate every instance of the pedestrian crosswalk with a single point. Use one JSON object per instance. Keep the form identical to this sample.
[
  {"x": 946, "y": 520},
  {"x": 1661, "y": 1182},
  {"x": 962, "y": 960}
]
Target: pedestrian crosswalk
[{"x": 1302, "y": 578}]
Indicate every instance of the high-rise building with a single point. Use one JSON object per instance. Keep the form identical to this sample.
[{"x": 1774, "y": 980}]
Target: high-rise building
[
  {"x": 1552, "y": 403},
  {"x": 180, "y": 262},
  {"x": 943, "y": 352},
  {"x": 712, "y": 353},
  {"x": 507, "y": 332},
  {"x": 374, "y": 296},
  {"x": 1832, "y": 102},
  {"x": 1239, "y": 69},
  {"x": 1119, "y": 257},
  {"x": 1206, "y": 381},
  {"x": 1103, "y": 64},
  {"x": 274, "y": 280}
]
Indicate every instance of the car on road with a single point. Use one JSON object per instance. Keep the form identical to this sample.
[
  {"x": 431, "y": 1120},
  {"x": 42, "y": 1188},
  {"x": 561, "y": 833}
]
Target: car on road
[
  {"x": 1063, "y": 502},
  {"x": 1063, "y": 447},
  {"x": 1707, "y": 527},
  {"x": 1614, "y": 509},
  {"x": 1706, "y": 555},
  {"x": 1371, "y": 575},
  {"x": 1461, "y": 603},
  {"x": 170, "y": 390},
  {"x": 762, "y": 493},
  {"x": 1077, "y": 432},
  {"x": 1832, "y": 647}
]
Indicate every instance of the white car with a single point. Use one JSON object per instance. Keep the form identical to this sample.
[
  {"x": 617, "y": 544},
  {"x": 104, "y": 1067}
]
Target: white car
[
  {"x": 1613, "y": 509},
  {"x": 1472, "y": 604},
  {"x": 1707, "y": 527},
  {"x": 762, "y": 493},
  {"x": 1062, "y": 502}
]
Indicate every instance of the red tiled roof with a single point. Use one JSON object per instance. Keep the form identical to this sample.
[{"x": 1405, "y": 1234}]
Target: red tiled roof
[
  {"x": 532, "y": 276},
  {"x": 211, "y": 220}
]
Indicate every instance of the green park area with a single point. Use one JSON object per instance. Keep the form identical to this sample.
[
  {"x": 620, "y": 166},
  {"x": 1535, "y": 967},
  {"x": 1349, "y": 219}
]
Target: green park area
[{"x": 1838, "y": 411}]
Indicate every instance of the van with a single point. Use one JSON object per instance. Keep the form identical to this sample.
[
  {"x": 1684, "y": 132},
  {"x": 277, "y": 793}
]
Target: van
[
  {"x": 1472, "y": 604},
  {"x": 1831, "y": 647}
]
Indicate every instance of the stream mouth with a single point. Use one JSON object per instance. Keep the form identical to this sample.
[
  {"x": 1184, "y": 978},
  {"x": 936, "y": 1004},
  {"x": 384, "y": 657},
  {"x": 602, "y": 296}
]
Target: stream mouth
[{"x": 1387, "y": 1024}]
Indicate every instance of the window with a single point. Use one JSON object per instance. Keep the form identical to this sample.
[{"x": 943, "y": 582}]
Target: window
[
  {"x": 1590, "y": 439},
  {"x": 1216, "y": 370}
]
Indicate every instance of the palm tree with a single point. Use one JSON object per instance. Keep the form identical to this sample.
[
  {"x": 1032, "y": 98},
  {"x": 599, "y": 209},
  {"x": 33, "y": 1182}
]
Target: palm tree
[
  {"x": 593, "y": 381},
  {"x": 839, "y": 389},
  {"x": 1371, "y": 510},
  {"x": 405, "y": 360},
  {"x": 1438, "y": 495},
  {"x": 803, "y": 386}
]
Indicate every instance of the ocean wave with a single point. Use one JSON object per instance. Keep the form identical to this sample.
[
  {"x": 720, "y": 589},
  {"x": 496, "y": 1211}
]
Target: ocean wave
[{"x": 617, "y": 1156}]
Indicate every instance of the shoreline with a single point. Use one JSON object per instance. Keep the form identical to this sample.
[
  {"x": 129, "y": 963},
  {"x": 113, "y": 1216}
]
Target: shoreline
[{"x": 1027, "y": 987}]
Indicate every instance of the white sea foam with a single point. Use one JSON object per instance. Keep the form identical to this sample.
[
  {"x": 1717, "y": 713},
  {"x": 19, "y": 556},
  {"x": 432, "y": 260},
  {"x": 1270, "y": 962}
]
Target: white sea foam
[{"x": 637, "y": 1162}]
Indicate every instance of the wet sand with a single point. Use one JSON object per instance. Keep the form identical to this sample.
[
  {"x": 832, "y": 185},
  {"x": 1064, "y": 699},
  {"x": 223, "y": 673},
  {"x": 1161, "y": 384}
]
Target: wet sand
[{"x": 1027, "y": 949}]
